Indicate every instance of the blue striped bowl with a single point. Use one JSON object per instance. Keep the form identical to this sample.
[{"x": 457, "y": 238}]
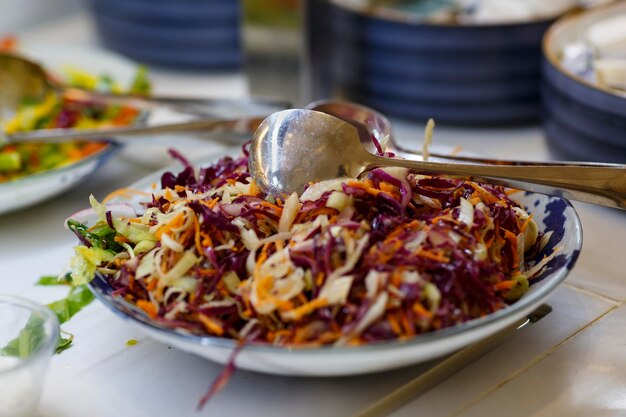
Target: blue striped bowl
[
  {"x": 458, "y": 74},
  {"x": 197, "y": 34},
  {"x": 582, "y": 120}
]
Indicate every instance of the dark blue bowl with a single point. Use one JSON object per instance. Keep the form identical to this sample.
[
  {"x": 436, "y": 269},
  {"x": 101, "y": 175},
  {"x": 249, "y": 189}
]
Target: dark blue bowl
[
  {"x": 460, "y": 74},
  {"x": 179, "y": 13},
  {"x": 193, "y": 59},
  {"x": 496, "y": 114},
  {"x": 569, "y": 144},
  {"x": 598, "y": 126},
  {"x": 581, "y": 119},
  {"x": 437, "y": 90},
  {"x": 458, "y": 66},
  {"x": 221, "y": 35},
  {"x": 182, "y": 41}
]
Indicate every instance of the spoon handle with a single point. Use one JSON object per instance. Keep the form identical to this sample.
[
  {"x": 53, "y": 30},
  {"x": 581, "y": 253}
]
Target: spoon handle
[
  {"x": 446, "y": 158},
  {"x": 603, "y": 184},
  {"x": 198, "y": 106},
  {"x": 244, "y": 126}
]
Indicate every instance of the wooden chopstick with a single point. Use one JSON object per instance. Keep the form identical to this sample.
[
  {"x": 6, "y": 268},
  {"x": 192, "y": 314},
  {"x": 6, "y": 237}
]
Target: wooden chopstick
[{"x": 448, "y": 367}]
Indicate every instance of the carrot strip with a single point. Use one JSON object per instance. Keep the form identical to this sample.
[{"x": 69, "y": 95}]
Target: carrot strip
[
  {"x": 148, "y": 307},
  {"x": 124, "y": 192}
]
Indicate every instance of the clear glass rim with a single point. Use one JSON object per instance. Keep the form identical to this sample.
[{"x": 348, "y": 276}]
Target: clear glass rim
[{"x": 50, "y": 320}]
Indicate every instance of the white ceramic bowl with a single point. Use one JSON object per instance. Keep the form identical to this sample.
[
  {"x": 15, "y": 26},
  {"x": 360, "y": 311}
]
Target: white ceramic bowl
[{"x": 550, "y": 213}]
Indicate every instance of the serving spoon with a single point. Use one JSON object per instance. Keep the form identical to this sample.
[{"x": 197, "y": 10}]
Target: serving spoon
[
  {"x": 22, "y": 78},
  {"x": 292, "y": 148},
  {"x": 370, "y": 122}
]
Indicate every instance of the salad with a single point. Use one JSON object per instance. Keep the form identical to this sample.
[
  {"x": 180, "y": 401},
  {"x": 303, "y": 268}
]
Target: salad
[
  {"x": 21, "y": 159},
  {"x": 347, "y": 262}
]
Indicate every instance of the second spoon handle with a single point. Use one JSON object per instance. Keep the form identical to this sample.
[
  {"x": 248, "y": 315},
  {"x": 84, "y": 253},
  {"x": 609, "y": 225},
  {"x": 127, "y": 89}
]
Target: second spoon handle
[
  {"x": 244, "y": 125},
  {"x": 603, "y": 184},
  {"x": 446, "y": 158}
]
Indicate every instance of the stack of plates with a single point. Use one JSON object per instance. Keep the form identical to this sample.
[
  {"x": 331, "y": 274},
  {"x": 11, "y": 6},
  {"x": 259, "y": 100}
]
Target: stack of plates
[
  {"x": 390, "y": 59},
  {"x": 200, "y": 34},
  {"x": 582, "y": 120}
]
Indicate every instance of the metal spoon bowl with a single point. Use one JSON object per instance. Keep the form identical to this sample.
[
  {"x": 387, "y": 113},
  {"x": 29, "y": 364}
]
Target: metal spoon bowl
[
  {"x": 293, "y": 148},
  {"x": 22, "y": 78}
]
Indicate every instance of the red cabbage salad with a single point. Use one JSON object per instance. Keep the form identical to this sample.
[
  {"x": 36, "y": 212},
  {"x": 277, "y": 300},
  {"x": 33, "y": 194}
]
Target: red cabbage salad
[{"x": 347, "y": 262}]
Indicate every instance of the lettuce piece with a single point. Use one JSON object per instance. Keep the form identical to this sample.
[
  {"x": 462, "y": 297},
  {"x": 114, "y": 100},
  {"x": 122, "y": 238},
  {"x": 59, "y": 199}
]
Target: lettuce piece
[
  {"x": 78, "y": 298},
  {"x": 85, "y": 261},
  {"x": 141, "y": 83},
  {"x": 134, "y": 232}
]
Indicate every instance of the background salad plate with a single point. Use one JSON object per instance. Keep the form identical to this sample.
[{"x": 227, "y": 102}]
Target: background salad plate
[{"x": 34, "y": 188}]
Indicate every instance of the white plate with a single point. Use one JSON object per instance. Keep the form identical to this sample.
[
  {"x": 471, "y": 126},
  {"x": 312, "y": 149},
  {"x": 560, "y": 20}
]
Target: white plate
[
  {"x": 550, "y": 213},
  {"x": 150, "y": 151},
  {"x": 35, "y": 188},
  {"x": 57, "y": 57}
]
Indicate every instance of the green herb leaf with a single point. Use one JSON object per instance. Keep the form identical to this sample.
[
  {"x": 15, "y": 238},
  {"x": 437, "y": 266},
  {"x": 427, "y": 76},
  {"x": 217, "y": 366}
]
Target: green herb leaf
[
  {"x": 141, "y": 82},
  {"x": 63, "y": 344},
  {"x": 78, "y": 297},
  {"x": 49, "y": 280},
  {"x": 28, "y": 340},
  {"x": 100, "y": 235}
]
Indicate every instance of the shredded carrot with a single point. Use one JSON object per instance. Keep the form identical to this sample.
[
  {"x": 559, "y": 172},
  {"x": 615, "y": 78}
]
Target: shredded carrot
[
  {"x": 124, "y": 192},
  {"x": 319, "y": 280},
  {"x": 419, "y": 309},
  {"x": 395, "y": 325},
  {"x": 177, "y": 221},
  {"x": 525, "y": 224},
  {"x": 512, "y": 238},
  {"x": 486, "y": 195},
  {"x": 148, "y": 307},
  {"x": 308, "y": 308},
  {"x": 212, "y": 325},
  {"x": 213, "y": 202},
  {"x": 271, "y": 206},
  {"x": 408, "y": 328},
  {"x": 152, "y": 284},
  {"x": 505, "y": 285},
  {"x": 434, "y": 255},
  {"x": 367, "y": 187}
]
